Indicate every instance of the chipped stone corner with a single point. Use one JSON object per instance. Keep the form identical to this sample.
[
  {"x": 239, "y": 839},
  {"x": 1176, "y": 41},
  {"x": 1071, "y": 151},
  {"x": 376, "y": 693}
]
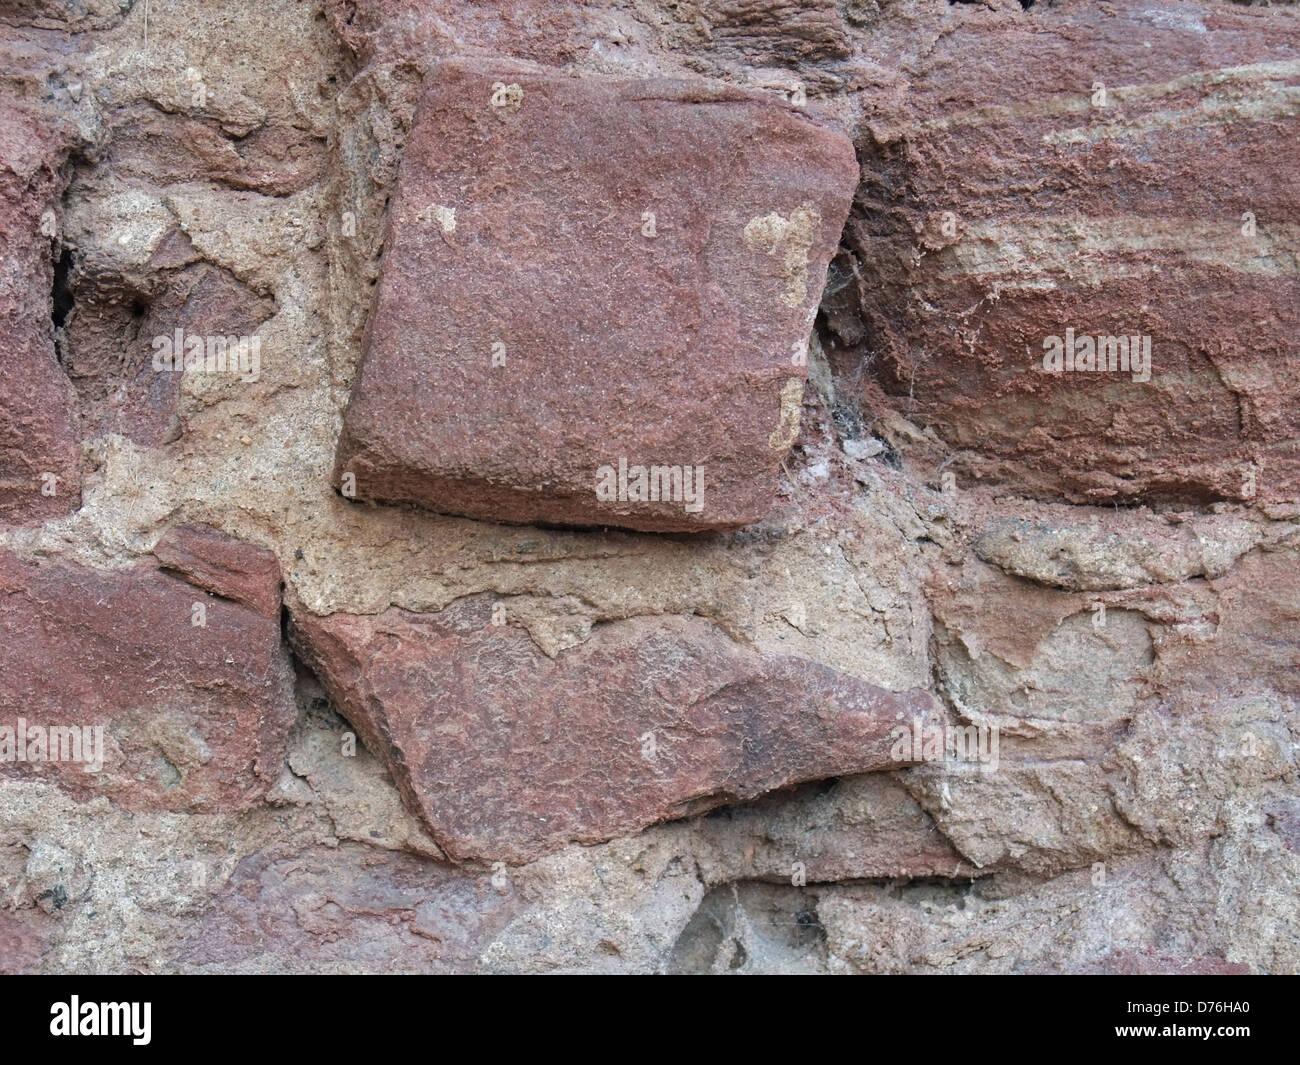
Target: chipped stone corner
[{"x": 789, "y": 241}]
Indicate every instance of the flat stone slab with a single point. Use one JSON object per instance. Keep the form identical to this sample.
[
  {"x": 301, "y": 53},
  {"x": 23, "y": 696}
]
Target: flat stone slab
[
  {"x": 508, "y": 754},
  {"x": 595, "y": 299}
]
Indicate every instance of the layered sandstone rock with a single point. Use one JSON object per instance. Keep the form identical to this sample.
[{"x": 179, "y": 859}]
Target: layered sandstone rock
[
  {"x": 508, "y": 754},
  {"x": 40, "y": 454},
  {"x": 625, "y": 272}
]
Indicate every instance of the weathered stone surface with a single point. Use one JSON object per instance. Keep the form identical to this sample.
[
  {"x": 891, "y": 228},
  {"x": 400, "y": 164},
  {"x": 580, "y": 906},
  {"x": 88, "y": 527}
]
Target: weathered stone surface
[
  {"x": 1128, "y": 551},
  {"x": 49, "y": 14},
  {"x": 108, "y": 340},
  {"x": 348, "y": 910},
  {"x": 858, "y": 828},
  {"x": 1246, "y": 635},
  {"x": 1144, "y": 961},
  {"x": 508, "y": 754},
  {"x": 1002, "y": 206},
  {"x": 223, "y": 565},
  {"x": 1177, "y": 912},
  {"x": 1160, "y": 719},
  {"x": 22, "y": 941},
  {"x": 194, "y": 717},
  {"x": 750, "y": 928},
  {"x": 40, "y": 456},
  {"x": 697, "y": 35},
  {"x": 1144, "y": 810},
  {"x": 758, "y": 31},
  {"x": 531, "y": 221}
]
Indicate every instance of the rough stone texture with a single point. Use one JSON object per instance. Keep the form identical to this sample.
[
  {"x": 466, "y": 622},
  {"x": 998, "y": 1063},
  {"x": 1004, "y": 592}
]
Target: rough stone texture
[
  {"x": 58, "y": 14},
  {"x": 627, "y": 272},
  {"x": 1144, "y": 814},
  {"x": 113, "y": 315},
  {"x": 384, "y": 913},
  {"x": 508, "y": 754},
  {"x": 222, "y": 565},
  {"x": 40, "y": 458},
  {"x": 1119, "y": 216},
  {"x": 194, "y": 717},
  {"x": 1152, "y": 915}
]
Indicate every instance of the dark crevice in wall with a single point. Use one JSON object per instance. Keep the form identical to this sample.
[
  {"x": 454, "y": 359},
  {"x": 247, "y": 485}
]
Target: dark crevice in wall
[{"x": 61, "y": 298}]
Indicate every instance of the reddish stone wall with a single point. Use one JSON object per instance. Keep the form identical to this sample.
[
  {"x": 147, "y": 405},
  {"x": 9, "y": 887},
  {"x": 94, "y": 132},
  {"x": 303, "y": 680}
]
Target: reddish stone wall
[{"x": 520, "y": 487}]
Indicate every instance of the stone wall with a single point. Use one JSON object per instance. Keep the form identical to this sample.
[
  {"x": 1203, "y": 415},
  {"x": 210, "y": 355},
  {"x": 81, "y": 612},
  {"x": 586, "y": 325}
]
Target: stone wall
[{"x": 649, "y": 486}]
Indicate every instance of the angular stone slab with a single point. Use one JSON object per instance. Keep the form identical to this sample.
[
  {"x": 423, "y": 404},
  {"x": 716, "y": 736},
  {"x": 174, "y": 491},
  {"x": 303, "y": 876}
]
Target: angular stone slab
[
  {"x": 195, "y": 717},
  {"x": 536, "y": 331},
  {"x": 507, "y": 754}
]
